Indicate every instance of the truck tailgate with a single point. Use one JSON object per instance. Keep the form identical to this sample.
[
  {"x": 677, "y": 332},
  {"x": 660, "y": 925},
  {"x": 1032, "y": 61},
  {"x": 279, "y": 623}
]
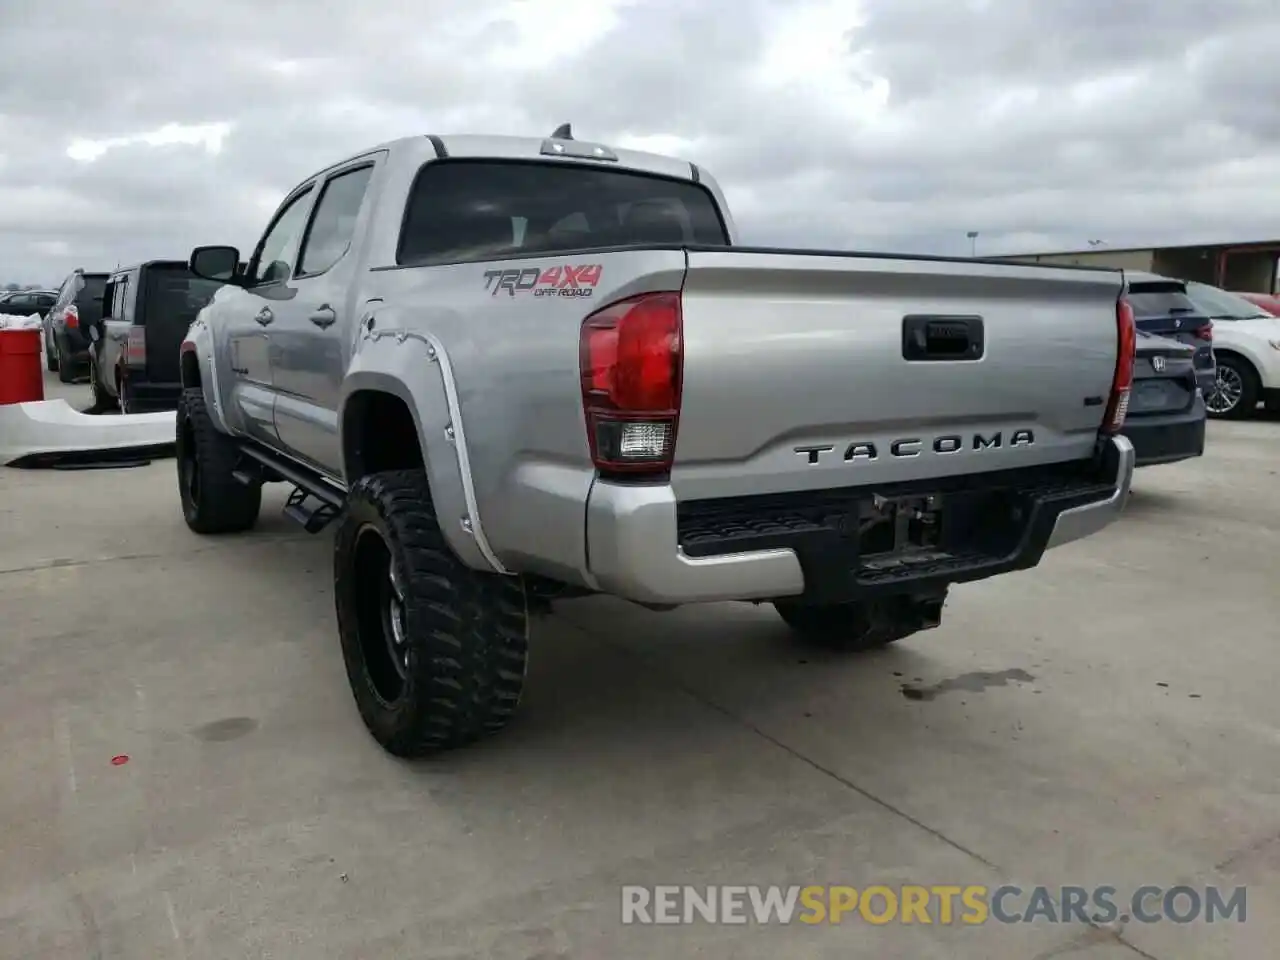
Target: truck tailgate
[{"x": 797, "y": 373}]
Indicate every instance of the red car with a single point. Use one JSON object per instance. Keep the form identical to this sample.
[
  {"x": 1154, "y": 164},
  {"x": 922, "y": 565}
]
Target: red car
[{"x": 1267, "y": 301}]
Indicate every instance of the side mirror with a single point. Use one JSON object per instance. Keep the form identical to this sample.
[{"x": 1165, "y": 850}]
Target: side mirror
[{"x": 215, "y": 263}]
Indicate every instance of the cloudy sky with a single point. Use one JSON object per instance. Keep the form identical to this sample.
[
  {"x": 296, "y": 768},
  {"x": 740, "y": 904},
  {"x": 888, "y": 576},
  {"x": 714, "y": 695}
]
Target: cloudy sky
[{"x": 873, "y": 124}]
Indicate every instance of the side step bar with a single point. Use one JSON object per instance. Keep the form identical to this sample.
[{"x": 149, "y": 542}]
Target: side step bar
[{"x": 266, "y": 467}]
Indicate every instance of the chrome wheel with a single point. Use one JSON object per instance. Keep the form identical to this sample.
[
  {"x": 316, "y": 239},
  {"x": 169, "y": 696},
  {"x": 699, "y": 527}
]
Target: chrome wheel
[{"x": 1227, "y": 390}]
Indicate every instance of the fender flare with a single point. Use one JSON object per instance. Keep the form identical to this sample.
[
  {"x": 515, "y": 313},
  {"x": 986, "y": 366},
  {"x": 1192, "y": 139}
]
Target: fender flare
[
  {"x": 199, "y": 343},
  {"x": 414, "y": 367}
]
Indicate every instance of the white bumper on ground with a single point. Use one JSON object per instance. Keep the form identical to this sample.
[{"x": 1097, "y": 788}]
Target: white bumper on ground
[{"x": 53, "y": 427}]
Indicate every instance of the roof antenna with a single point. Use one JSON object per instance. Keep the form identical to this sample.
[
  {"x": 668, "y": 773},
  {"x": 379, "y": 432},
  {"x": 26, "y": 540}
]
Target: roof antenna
[{"x": 562, "y": 132}]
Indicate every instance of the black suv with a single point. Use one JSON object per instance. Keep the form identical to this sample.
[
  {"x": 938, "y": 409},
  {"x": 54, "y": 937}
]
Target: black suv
[
  {"x": 66, "y": 345},
  {"x": 134, "y": 358}
]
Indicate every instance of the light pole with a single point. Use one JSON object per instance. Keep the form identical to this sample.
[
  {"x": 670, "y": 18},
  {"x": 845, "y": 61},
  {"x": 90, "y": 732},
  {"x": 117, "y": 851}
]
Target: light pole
[{"x": 973, "y": 242}]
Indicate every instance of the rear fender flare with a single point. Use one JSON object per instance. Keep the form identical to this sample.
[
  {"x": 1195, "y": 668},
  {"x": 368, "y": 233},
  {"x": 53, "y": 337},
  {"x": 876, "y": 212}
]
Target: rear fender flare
[{"x": 414, "y": 367}]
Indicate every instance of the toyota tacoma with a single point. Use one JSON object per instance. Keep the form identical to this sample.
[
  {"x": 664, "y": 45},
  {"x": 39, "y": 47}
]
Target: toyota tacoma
[{"x": 520, "y": 370}]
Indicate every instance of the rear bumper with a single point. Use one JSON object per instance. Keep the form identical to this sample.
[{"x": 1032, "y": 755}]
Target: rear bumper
[
  {"x": 1167, "y": 438},
  {"x": 146, "y": 394},
  {"x": 644, "y": 546}
]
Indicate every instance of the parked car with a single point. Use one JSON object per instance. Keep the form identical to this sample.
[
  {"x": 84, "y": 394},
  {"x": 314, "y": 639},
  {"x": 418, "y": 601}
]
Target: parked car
[
  {"x": 515, "y": 369},
  {"x": 1166, "y": 417},
  {"x": 1269, "y": 302},
  {"x": 1246, "y": 343},
  {"x": 24, "y": 303},
  {"x": 1161, "y": 306},
  {"x": 134, "y": 349},
  {"x": 66, "y": 346}
]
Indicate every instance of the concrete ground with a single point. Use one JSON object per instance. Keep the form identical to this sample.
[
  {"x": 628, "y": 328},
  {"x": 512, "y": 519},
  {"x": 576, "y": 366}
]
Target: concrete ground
[{"x": 1108, "y": 718}]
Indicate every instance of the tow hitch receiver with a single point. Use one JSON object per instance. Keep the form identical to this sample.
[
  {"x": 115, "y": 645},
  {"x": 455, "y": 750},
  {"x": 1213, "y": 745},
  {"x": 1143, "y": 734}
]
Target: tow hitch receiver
[{"x": 896, "y": 532}]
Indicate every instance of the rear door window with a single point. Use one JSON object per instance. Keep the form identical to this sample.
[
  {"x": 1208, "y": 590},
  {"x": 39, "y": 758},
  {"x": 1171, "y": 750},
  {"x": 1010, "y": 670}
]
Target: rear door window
[
  {"x": 334, "y": 221},
  {"x": 463, "y": 210},
  {"x": 119, "y": 295}
]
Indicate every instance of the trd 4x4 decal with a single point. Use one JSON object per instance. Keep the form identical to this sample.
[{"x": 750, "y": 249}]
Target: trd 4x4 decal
[{"x": 570, "y": 280}]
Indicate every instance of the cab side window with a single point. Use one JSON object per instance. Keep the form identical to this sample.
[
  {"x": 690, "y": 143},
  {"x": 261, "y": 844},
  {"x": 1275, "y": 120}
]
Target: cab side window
[
  {"x": 334, "y": 222},
  {"x": 274, "y": 260},
  {"x": 120, "y": 292},
  {"x": 108, "y": 300}
]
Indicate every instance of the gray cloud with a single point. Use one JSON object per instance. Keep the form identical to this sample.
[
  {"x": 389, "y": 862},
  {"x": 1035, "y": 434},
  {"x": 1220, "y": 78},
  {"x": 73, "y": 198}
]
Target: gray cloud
[{"x": 894, "y": 124}]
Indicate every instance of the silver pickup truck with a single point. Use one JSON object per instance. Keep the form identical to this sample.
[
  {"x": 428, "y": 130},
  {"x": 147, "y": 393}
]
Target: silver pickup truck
[{"x": 517, "y": 370}]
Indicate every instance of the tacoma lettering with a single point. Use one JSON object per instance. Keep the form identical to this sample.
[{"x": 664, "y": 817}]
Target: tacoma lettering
[{"x": 912, "y": 446}]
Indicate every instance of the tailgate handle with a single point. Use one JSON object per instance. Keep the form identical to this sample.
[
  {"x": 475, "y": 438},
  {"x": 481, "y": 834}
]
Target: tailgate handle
[{"x": 932, "y": 337}]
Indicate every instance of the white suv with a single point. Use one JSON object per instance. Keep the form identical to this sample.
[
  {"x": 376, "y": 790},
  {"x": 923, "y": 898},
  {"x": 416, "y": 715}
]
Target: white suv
[{"x": 1246, "y": 343}]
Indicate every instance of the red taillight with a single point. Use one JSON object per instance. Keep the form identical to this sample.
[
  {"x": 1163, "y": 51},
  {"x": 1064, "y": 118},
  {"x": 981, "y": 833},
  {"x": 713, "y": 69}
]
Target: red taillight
[
  {"x": 1204, "y": 333},
  {"x": 630, "y": 360},
  {"x": 135, "y": 351},
  {"x": 71, "y": 317},
  {"x": 1126, "y": 348}
]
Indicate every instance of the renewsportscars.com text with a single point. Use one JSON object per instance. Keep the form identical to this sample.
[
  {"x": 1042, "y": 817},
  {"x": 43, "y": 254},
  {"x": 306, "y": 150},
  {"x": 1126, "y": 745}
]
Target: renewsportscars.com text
[{"x": 937, "y": 904}]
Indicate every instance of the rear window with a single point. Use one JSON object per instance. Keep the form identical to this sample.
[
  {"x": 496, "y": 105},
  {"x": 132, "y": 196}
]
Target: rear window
[
  {"x": 1160, "y": 301},
  {"x": 176, "y": 292},
  {"x": 461, "y": 211},
  {"x": 1219, "y": 305},
  {"x": 92, "y": 290}
]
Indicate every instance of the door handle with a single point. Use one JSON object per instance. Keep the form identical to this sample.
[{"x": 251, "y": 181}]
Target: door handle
[
  {"x": 324, "y": 317},
  {"x": 265, "y": 316}
]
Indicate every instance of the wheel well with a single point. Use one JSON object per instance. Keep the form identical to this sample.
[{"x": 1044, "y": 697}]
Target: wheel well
[
  {"x": 190, "y": 369},
  {"x": 1240, "y": 357},
  {"x": 378, "y": 433}
]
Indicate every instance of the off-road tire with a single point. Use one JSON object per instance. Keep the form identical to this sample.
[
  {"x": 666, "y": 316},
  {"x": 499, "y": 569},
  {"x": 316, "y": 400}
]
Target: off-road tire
[
  {"x": 850, "y": 627},
  {"x": 465, "y": 633},
  {"x": 66, "y": 369},
  {"x": 217, "y": 502}
]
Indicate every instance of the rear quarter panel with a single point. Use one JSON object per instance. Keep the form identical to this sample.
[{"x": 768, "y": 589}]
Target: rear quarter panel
[{"x": 512, "y": 350}]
